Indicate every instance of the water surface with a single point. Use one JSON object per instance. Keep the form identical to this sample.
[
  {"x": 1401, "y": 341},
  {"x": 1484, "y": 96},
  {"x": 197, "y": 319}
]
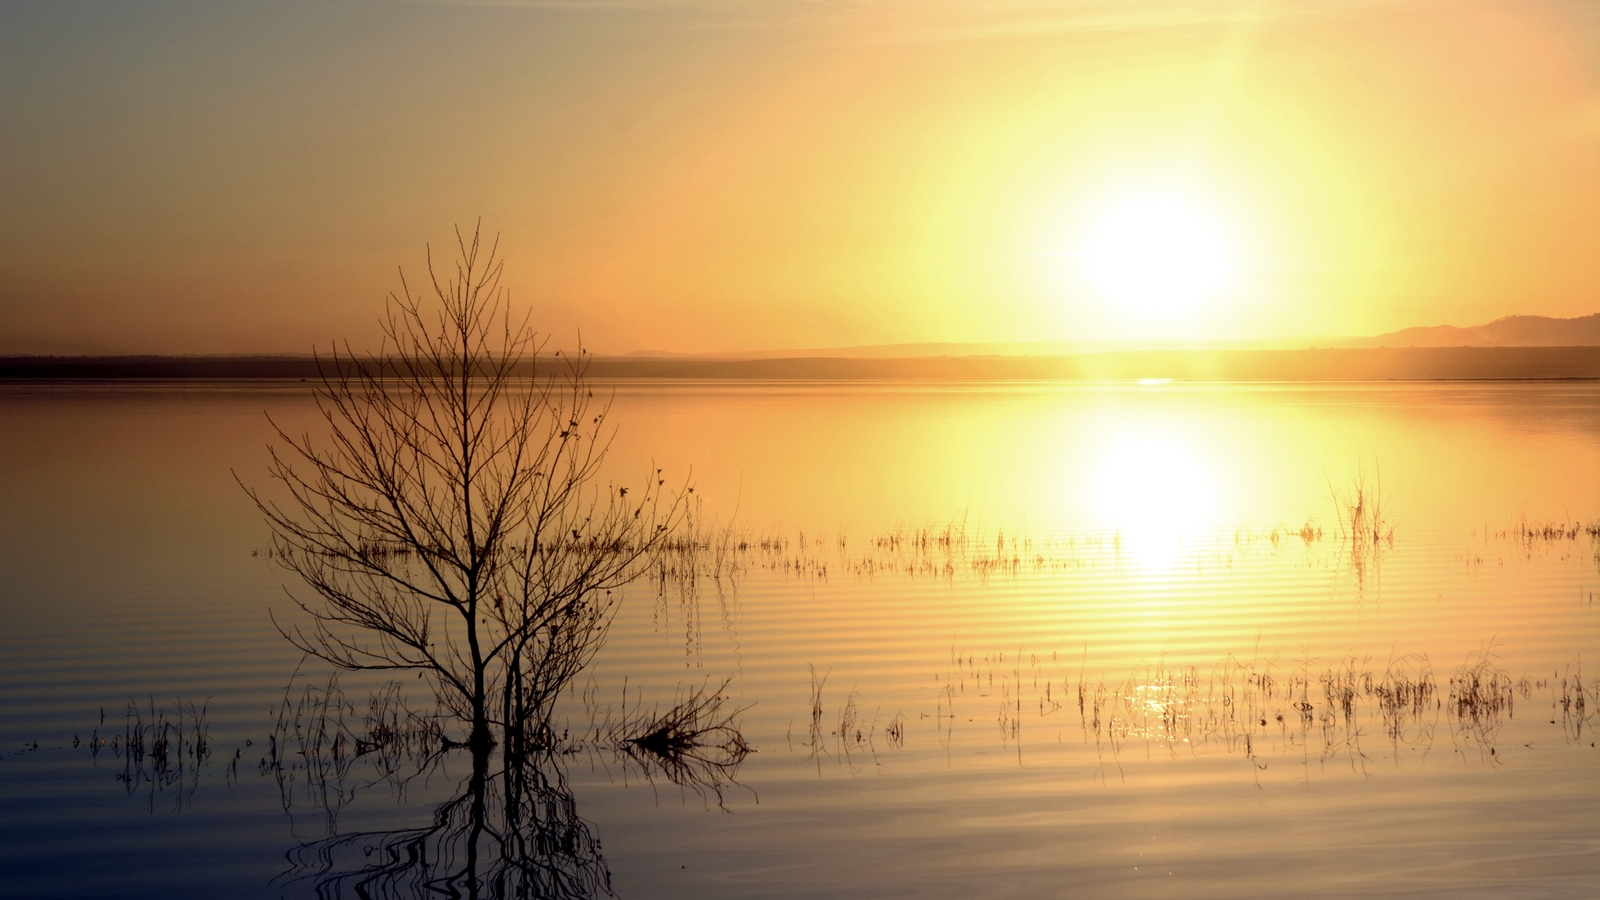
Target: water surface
[{"x": 1013, "y": 640}]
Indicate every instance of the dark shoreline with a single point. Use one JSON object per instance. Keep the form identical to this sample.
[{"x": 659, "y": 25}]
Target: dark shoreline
[{"x": 1312, "y": 365}]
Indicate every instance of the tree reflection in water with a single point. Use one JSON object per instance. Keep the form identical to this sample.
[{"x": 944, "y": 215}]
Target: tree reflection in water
[{"x": 512, "y": 830}]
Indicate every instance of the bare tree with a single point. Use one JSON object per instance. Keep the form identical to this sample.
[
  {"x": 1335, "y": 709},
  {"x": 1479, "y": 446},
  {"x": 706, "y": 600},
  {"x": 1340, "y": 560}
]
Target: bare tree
[{"x": 454, "y": 521}]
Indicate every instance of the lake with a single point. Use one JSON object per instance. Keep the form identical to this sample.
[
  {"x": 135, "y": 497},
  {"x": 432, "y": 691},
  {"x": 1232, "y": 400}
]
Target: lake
[{"x": 1031, "y": 640}]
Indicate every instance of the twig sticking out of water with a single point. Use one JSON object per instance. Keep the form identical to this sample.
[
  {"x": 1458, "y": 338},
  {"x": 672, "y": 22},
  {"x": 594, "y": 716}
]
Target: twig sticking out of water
[
  {"x": 1360, "y": 507},
  {"x": 1578, "y": 701},
  {"x": 696, "y": 743},
  {"x": 318, "y": 738},
  {"x": 1482, "y": 697},
  {"x": 815, "y": 741},
  {"x": 166, "y": 751},
  {"x": 1560, "y": 537}
]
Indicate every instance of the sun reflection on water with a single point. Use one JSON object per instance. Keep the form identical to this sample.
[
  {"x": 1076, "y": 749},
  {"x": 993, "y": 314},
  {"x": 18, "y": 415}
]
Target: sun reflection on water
[{"x": 1152, "y": 491}]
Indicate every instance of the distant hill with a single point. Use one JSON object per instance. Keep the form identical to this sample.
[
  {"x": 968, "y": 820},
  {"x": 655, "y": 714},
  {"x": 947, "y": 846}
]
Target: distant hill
[
  {"x": 1512, "y": 331},
  {"x": 994, "y": 348},
  {"x": 1343, "y": 364}
]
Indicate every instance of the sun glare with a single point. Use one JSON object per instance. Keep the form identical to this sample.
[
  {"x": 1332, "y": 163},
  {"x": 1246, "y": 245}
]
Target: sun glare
[
  {"x": 1156, "y": 492},
  {"x": 1157, "y": 255}
]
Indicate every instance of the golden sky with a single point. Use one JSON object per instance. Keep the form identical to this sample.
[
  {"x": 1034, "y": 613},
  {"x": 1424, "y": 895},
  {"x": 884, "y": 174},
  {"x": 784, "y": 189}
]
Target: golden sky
[{"x": 716, "y": 175}]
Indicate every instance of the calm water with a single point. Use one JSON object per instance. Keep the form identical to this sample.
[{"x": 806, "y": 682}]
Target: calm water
[{"x": 1141, "y": 661}]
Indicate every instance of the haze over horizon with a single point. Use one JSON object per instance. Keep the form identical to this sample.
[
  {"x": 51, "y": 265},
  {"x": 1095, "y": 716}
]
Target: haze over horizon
[{"x": 721, "y": 176}]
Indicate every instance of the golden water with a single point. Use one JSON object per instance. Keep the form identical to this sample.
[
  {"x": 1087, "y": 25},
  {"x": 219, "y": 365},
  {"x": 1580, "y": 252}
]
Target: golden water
[{"x": 1003, "y": 640}]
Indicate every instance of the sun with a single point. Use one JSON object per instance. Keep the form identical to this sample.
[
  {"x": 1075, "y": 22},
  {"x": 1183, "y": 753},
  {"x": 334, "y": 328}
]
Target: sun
[{"x": 1157, "y": 255}]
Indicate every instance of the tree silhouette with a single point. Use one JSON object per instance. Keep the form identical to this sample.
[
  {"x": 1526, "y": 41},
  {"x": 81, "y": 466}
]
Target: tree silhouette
[{"x": 453, "y": 520}]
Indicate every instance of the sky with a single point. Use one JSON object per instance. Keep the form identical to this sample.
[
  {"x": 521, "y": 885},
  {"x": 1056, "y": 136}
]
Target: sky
[{"x": 724, "y": 175}]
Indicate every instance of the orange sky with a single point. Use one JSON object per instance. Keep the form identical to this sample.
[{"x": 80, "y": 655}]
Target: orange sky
[{"x": 730, "y": 174}]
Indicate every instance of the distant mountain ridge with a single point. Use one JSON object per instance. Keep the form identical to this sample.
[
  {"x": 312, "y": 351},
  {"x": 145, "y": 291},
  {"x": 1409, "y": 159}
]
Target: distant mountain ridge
[{"x": 1511, "y": 331}]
